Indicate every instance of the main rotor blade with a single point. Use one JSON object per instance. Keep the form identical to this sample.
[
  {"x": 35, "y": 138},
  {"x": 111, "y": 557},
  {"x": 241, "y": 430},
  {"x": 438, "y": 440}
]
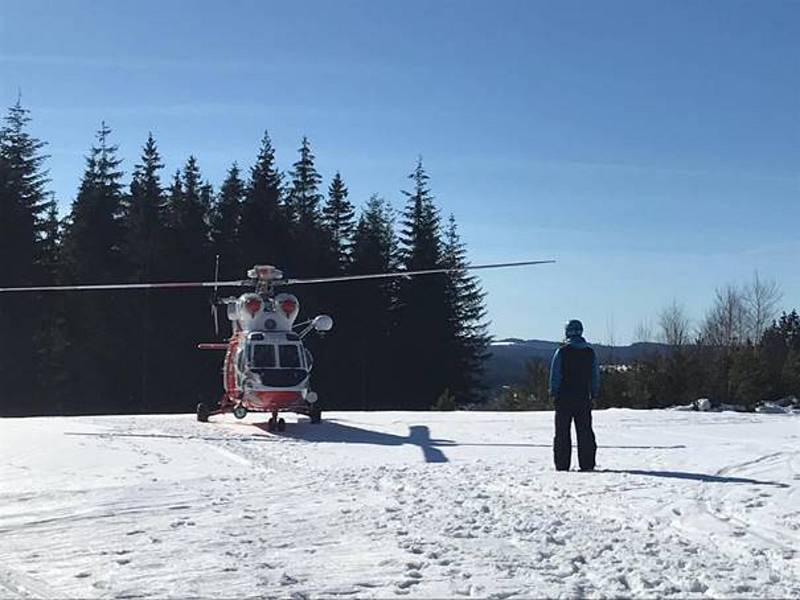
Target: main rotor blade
[
  {"x": 127, "y": 286},
  {"x": 411, "y": 273}
]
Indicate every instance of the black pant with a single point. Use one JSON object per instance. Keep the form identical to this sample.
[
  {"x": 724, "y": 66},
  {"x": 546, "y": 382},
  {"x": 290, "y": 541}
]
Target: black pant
[{"x": 581, "y": 412}]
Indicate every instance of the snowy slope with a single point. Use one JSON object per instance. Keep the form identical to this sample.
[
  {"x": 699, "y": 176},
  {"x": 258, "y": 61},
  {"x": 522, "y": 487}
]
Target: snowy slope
[{"x": 391, "y": 504}]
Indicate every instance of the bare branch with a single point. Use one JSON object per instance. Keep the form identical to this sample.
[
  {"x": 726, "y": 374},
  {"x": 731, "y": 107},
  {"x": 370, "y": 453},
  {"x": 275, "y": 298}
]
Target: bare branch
[
  {"x": 674, "y": 324},
  {"x": 726, "y": 323},
  {"x": 761, "y": 299},
  {"x": 643, "y": 331}
]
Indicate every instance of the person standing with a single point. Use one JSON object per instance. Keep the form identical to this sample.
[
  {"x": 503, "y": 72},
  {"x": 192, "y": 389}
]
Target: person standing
[{"x": 574, "y": 383}]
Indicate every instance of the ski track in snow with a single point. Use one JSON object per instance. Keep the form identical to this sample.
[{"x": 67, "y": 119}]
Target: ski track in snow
[{"x": 399, "y": 505}]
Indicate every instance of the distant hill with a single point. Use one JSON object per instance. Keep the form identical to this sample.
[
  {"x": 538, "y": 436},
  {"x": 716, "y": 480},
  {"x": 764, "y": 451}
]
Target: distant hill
[{"x": 506, "y": 364}]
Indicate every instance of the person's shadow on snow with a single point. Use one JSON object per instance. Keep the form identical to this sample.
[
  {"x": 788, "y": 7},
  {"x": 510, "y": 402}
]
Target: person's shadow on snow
[{"x": 694, "y": 477}]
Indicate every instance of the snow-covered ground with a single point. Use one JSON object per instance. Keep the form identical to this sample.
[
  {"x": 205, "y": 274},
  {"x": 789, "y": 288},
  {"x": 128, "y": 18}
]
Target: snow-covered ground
[{"x": 390, "y": 504}]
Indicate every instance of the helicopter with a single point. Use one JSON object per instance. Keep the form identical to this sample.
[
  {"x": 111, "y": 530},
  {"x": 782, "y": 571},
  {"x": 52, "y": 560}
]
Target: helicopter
[{"x": 266, "y": 368}]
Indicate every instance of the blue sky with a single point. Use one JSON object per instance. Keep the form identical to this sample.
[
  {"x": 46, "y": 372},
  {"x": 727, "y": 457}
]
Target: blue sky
[{"x": 652, "y": 148}]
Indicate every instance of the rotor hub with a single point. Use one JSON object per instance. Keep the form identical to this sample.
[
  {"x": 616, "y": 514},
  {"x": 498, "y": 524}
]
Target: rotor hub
[
  {"x": 265, "y": 273},
  {"x": 264, "y": 277}
]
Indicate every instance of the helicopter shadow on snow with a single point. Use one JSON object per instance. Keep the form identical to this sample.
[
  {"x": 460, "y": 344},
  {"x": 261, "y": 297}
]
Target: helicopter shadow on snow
[{"x": 332, "y": 432}]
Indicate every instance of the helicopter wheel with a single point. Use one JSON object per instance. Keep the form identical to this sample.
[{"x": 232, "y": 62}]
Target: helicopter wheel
[
  {"x": 202, "y": 413},
  {"x": 240, "y": 412},
  {"x": 281, "y": 425},
  {"x": 315, "y": 414}
]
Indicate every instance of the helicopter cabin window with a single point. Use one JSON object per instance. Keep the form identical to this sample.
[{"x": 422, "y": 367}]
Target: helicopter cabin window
[
  {"x": 263, "y": 356},
  {"x": 289, "y": 356}
]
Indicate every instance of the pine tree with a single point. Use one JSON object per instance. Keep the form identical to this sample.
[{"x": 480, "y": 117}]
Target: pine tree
[
  {"x": 304, "y": 197},
  {"x": 790, "y": 376},
  {"x": 145, "y": 215},
  {"x": 49, "y": 245},
  {"x": 23, "y": 205},
  {"x": 92, "y": 254},
  {"x": 310, "y": 252},
  {"x": 466, "y": 321},
  {"x": 226, "y": 220},
  {"x": 23, "y": 208},
  {"x": 420, "y": 237},
  {"x": 174, "y": 198},
  {"x": 93, "y": 239},
  {"x": 189, "y": 201},
  {"x": 788, "y": 328},
  {"x": 145, "y": 247},
  {"x": 779, "y": 352},
  {"x": 365, "y": 321},
  {"x": 422, "y": 335},
  {"x": 333, "y": 242},
  {"x": 50, "y": 337},
  {"x": 339, "y": 219},
  {"x": 264, "y": 228},
  {"x": 187, "y": 223}
]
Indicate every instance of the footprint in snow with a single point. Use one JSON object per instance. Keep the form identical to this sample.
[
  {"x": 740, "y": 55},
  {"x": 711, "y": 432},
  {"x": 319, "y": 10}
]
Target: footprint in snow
[
  {"x": 340, "y": 591},
  {"x": 467, "y": 590},
  {"x": 510, "y": 593}
]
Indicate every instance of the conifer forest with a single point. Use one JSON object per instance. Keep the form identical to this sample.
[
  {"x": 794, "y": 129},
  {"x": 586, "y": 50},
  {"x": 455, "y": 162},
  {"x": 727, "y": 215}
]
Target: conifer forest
[
  {"x": 395, "y": 344},
  {"x": 405, "y": 344}
]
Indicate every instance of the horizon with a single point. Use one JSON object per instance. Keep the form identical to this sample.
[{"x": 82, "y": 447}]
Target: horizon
[{"x": 652, "y": 151}]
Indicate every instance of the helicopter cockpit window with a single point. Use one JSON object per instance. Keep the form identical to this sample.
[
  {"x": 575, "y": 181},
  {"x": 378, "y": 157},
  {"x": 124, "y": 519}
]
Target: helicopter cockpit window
[
  {"x": 263, "y": 356},
  {"x": 289, "y": 356}
]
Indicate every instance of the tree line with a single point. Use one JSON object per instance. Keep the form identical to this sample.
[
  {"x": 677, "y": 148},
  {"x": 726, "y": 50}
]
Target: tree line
[
  {"x": 741, "y": 353},
  {"x": 402, "y": 344}
]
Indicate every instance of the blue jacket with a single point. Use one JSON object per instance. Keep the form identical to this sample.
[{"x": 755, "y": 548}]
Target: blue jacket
[{"x": 555, "y": 368}]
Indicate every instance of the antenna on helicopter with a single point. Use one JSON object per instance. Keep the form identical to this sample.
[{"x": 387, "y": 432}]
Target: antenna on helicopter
[{"x": 214, "y": 313}]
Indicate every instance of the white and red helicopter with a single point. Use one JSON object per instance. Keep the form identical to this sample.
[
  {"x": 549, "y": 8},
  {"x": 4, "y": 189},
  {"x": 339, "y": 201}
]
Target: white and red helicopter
[{"x": 266, "y": 366}]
